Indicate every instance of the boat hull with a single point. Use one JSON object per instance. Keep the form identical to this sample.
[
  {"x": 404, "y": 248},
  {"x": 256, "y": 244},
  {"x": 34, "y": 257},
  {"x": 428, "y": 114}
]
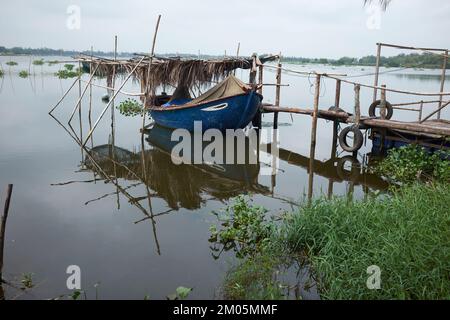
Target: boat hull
[{"x": 227, "y": 113}]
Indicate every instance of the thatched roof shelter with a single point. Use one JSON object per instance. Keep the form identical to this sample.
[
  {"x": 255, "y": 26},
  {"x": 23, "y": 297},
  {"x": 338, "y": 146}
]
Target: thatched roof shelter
[{"x": 171, "y": 71}]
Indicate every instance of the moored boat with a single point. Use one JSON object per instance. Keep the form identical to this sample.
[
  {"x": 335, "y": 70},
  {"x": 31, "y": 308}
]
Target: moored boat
[{"x": 230, "y": 104}]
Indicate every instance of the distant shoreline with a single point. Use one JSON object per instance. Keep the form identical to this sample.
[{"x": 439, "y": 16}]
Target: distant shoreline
[{"x": 413, "y": 60}]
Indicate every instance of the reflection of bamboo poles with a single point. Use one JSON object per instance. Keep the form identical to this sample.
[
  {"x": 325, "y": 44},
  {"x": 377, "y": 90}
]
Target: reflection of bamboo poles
[{"x": 105, "y": 176}]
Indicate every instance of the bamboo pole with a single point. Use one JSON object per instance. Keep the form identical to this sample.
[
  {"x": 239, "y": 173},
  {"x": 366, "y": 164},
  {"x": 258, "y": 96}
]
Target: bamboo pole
[
  {"x": 434, "y": 112},
  {"x": 113, "y": 85},
  {"x": 312, "y": 152},
  {"x": 277, "y": 92},
  {"x": 420, "y": 111},
  {"x": 377, "y": 71},
  {"x": 3, "y": 227},
  {"x": 90, "y": 99},
  {"x": 64, "y": 95},
  {"x": 345, "y": 117},
  {"x": 414, "y": 93},
  {"x": 79, "y": 101},
  {"x": 81, "y": 94},
  {"x": 357, "y": 105},
  {"x": 383, "y": 102},
  {"x": 237, "y": 55},
  {"x": 444, "y": 69}
]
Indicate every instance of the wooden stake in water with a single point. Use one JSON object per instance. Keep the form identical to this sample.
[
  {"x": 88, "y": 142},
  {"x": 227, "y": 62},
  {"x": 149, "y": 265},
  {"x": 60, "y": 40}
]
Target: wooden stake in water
[
  {"x": 3, "y": 227},
  {"x": 277, "y": 93},
  {"x": 312, "y": 152}
]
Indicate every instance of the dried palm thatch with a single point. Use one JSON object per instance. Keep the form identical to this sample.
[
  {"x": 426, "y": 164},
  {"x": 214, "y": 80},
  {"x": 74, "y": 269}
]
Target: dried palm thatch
[{"x": 170, "y": 71}]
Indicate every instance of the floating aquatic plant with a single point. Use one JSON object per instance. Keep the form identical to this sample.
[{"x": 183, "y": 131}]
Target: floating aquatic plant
[
  {"x": 12, "y": 63},
  {"x": 38, "y": 62},
  {"x": 24, "y": 74},
  {"x": 130, "y": 107}
]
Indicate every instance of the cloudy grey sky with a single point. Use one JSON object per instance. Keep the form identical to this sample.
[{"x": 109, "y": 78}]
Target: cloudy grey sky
[{"x": 309, "y": 28}]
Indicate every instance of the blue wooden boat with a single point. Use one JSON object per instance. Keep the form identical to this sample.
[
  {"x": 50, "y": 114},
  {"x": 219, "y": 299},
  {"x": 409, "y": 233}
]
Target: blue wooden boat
[{"x": 229, "y": 105}]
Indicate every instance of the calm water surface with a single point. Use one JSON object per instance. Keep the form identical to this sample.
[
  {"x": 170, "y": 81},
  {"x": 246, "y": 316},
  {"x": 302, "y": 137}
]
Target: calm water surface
[{"x": 65, "y": 213}]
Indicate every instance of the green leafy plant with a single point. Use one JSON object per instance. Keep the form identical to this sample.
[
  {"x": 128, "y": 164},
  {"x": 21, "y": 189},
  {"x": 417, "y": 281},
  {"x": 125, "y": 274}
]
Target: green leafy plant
[
  {"x": 130, "y": 107},
  {"x": 69, "y": 67},
  {"x": 411, "y": 163},
  {"x": 52, "y": 62},
  {"x": 66, "y": 74},
  {"x": 244, "y": 228},
  {"x": 11, "y": 63},
  {"x": 27, "y": 280},
  {"x": 23, "y": 74},
  {"x": 2, "y": 73}
]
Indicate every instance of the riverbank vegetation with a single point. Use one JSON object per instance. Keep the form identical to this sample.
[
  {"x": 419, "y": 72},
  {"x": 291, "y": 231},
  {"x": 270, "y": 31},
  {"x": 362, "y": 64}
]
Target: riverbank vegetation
[{"x": 404, "y": 234}]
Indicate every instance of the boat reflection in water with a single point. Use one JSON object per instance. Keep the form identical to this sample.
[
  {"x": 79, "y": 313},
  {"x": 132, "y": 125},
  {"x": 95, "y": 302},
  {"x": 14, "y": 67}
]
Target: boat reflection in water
[{"x": 181, "y": 186}]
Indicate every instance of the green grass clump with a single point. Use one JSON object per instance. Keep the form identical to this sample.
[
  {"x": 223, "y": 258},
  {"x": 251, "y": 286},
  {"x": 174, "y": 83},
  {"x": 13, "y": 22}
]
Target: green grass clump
[
  {"x": 2, "y": 73},
  {"x": 11, "y": 63},
  {"x": 52, "y": 62},
  {"x": 24, "y": 74},
  {"x": 38, "y": 62},
  {"x": 411, "y": 163},
  {"x": 406, "y": 234},
  {"x": 130, "y": 107}
]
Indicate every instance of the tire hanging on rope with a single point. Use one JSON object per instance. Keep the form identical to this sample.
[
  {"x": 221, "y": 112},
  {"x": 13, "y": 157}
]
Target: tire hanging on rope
[
  {"x": 357, "y": 139},
  {"x": 377, "y": 104}
]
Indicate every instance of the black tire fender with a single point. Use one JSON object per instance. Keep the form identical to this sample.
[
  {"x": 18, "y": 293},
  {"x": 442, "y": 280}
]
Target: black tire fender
[
  {"x": 376, "y": 104},
  {"x": 357, "y": 137}
]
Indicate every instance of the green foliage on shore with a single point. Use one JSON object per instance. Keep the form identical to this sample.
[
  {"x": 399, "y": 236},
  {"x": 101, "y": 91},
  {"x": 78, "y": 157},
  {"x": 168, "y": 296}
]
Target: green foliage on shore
[{"x": 405, "y": 234}]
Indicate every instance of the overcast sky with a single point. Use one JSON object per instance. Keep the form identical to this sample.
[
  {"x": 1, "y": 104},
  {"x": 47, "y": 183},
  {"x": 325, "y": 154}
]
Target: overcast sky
[{"x": 313, "y": 28}]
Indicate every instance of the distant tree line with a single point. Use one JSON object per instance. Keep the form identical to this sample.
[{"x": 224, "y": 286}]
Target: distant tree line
[{"x": 413, "y": 60}]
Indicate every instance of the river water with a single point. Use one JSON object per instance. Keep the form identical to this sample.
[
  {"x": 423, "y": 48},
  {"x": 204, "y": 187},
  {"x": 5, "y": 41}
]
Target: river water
[{"x": 64, "y": 212}]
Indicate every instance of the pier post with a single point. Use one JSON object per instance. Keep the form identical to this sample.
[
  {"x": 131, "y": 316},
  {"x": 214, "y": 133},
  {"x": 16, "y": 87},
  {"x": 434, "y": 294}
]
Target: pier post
[
  {"x": 377, "y": 71},
  {"x": 444, "y": 69},
  {"x": 277, "y": 92},
  {"x": 252, "y": 80},
  {"x": 357, "y": 104},
  {"x": 383, "y": 116},
  {"x": 312, "y": 152},
  {"x": 420, "y": 111}
]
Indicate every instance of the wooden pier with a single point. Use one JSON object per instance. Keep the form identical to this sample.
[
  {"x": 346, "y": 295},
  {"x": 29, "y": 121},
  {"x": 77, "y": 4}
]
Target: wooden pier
[{"x": 381, "y": 125}]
